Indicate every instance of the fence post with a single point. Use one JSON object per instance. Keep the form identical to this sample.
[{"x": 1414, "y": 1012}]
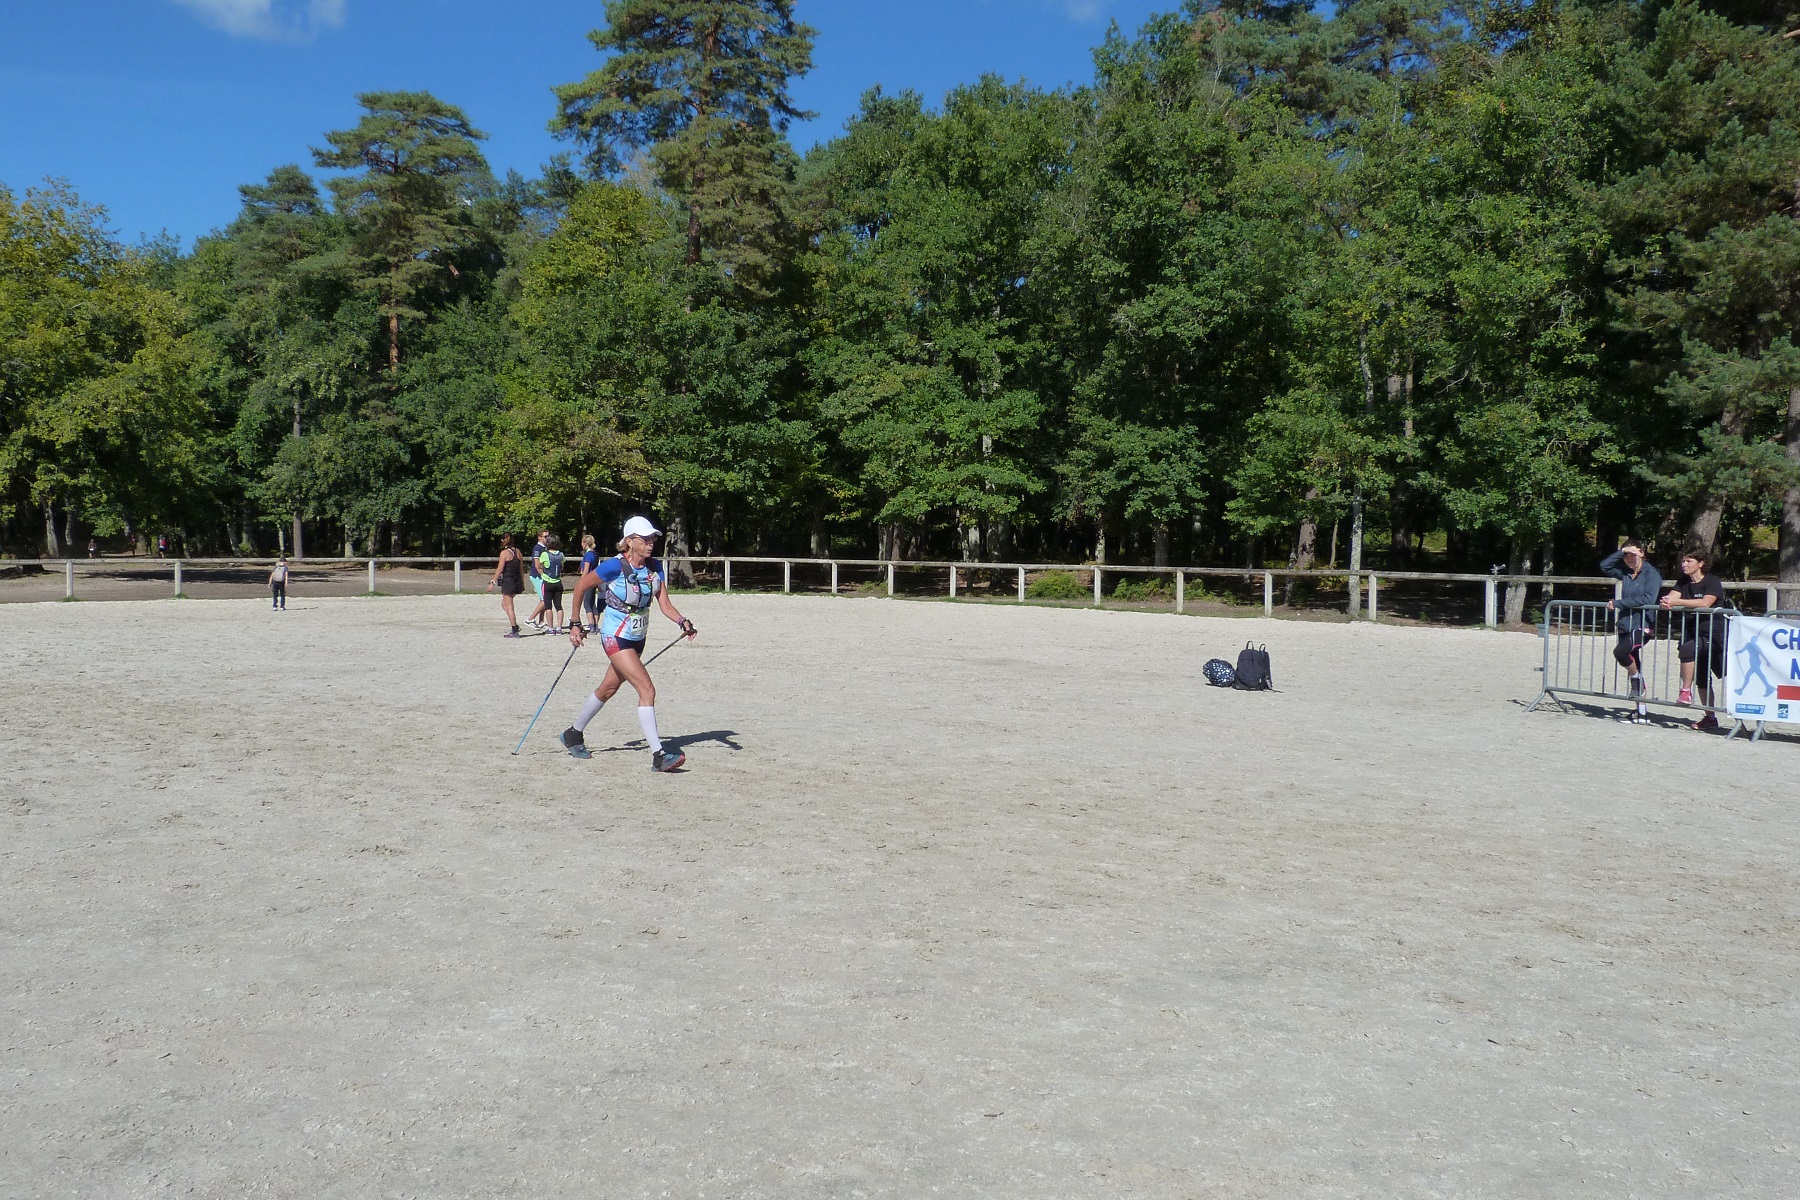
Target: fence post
[
  {"x": 1771, "y": 598},
  {"x": 178, "y": 578},
  {"x": 68, "y": 580},
  {"x": 787, "y": 575},
  {"x": 456, "y": 588},
  {"x": 890, "y": 579},
  {"x": 953, "y": 583},
  {"x": 834, "y": 578},
  {"x": 1180, "y": 590},
  {"x": 1374, "y": 612},
  {"x": 1097, "y": 574},
  {"x": 728, "y": 575},
  {"x": 1490, "y": 617},
  {"x": 1268, "y": 593},
  {"x": 371, "y": 577},
  {"x": 1021, "y": 583}
]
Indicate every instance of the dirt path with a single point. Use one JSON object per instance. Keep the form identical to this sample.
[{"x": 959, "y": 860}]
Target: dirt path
[{"x": 954, "y": 900}]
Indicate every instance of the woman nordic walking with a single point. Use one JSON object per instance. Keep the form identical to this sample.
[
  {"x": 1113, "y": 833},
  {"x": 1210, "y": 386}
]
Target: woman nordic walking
[
  {"x": 627, "y": 583},
  {"x": 510, "y": 576}
]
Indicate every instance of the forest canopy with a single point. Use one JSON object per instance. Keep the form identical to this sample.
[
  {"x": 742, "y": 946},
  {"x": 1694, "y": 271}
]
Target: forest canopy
[{"x": 1390, "y": 283}]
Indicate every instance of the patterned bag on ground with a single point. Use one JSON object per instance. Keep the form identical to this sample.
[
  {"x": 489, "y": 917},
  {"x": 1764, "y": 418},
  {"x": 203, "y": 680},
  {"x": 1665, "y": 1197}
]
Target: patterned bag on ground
[
  {"x": 1253, "y": 673},
  {"x": 1218, "y": 673}
]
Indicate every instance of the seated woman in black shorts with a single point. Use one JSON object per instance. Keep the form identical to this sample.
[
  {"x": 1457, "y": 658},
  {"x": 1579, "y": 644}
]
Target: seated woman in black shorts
[{"x": 1702, "y": 646}]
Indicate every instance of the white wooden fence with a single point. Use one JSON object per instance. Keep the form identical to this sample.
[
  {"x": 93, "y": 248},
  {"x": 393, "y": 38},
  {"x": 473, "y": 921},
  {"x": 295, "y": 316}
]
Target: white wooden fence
[{"x": 1364, "y": 585}]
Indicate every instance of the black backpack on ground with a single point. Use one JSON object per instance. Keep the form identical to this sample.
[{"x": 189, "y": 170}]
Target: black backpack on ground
[
  {"x": 1218, "y": 673},
  {"x": 1253, "y": 673}
]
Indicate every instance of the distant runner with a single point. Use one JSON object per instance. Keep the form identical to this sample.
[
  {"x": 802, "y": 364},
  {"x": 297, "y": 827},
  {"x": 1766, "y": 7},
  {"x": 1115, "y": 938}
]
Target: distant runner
[{"x": 627, "y": 583}]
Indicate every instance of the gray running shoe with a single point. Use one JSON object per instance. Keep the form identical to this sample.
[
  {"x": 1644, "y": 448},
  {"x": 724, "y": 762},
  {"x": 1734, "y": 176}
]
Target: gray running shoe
[
  {"x": 575, "y": 743},
  {"x": 667, "y": 760}
]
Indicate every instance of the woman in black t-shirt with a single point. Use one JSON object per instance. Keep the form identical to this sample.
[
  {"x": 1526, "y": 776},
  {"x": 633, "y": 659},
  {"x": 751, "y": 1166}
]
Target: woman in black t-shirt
[{"x": 1702, "y": 629}]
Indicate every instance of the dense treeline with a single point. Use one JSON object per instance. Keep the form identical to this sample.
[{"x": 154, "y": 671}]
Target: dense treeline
[{"x": 1407, "y": 284}]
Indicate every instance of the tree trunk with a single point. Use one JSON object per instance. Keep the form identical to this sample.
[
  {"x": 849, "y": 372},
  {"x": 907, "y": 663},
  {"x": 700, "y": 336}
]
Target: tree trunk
[
  {"x": 1400, "y": 543},
  {"x": 394, "y": 547},
  {"x": 1100, "y": 541},
  {"x": 349, "y": 543},
  {"x": 676, "y": 562},
  {"x": 1547, "y": 566},
  {"x": 1306, "y": 550},
  {"x": 299, "y": 542},
  {"x": 971, "y": 542},
  {"x": 52, "y": 549},
  {"x": 693, "y": 228},
  {"x": 888, "y": 536},
  {"x": 1703, "y": 530},
  {"x": 393, "y": 324},
  {"x": 820, "y": 542},
  {"x": 1517, "y": 561},
  {"x": 1356, "y": 494},
  {"x": 1159, "y": 543},
  {"x": 1789, "y": 597},
  {"x": 69, "y": 528}
]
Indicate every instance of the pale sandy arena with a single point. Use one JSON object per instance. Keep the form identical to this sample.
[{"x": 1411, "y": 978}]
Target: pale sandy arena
[{"x": 953, "y": 900}]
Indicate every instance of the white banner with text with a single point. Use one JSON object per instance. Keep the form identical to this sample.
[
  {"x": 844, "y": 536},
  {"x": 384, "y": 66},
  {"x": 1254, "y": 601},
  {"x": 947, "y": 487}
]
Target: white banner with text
[{"x": 1762, "y": 676}]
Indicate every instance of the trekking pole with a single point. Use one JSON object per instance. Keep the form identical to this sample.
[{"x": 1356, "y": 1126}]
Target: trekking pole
[
  {"x": 547, "y": 695},
  {"x": 665, "y": 649}
]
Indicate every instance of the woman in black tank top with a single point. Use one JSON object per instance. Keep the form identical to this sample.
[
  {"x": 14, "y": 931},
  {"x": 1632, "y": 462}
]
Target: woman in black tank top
[{"x": 509, "y": 575}]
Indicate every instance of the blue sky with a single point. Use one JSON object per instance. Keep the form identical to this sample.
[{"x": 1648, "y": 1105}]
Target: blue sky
[{"x": 158, "y": 109}]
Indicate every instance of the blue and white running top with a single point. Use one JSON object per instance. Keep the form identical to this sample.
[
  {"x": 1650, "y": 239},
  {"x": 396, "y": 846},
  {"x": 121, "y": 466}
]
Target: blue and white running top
[{"x": 628, "y": 595}]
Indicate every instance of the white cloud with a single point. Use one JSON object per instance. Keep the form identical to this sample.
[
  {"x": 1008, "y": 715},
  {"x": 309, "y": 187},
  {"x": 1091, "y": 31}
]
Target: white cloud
[
  {"x": 1082, "y": 10},
  {"x": 276, "y": 19}
]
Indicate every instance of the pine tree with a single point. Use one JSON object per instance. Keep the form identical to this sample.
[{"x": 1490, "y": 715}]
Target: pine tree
[
  {"x": 410, "y": 202},
  {"x": 700, "y": 86}
]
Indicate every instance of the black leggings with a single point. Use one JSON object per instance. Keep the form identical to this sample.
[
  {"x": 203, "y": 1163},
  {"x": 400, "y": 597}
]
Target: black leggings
[
  {"x": 1630, "y": 649},
  {"x": 278, "y": 594}
]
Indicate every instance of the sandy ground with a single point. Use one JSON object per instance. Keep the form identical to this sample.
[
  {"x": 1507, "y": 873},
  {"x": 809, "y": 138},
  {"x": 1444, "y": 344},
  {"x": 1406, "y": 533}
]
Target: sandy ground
[{"x": 952, "y": 900}]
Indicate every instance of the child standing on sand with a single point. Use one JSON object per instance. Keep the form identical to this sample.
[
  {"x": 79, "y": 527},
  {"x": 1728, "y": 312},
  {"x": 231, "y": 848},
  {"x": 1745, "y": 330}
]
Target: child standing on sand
[{"x": 278, "y": 581}]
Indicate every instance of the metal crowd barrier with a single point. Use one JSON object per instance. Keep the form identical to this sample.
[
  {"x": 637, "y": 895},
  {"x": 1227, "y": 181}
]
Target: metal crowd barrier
[{"x": 1581, "y": 636}]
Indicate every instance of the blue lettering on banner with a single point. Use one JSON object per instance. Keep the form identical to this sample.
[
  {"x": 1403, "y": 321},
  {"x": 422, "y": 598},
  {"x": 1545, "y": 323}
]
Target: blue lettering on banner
[
  {"x": 1794, "y": 669},
  {"x": 1786, "y": 639},
  {"x": 1750, "y": 710}
]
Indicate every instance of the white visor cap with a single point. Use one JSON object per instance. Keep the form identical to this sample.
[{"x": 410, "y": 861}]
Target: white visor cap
[{"x": 640, "y": 527}]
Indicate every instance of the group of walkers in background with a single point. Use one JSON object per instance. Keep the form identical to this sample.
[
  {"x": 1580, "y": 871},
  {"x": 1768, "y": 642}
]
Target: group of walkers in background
[
  {"x": 542, "y": 572},
  {"x": 1700, "y": 632}
]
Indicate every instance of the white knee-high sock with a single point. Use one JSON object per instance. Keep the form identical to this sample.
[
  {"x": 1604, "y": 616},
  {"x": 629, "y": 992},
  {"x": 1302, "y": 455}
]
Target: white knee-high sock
[
  {"x": 589, "y": 711},
  {"x": 647, "y": 720}
]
